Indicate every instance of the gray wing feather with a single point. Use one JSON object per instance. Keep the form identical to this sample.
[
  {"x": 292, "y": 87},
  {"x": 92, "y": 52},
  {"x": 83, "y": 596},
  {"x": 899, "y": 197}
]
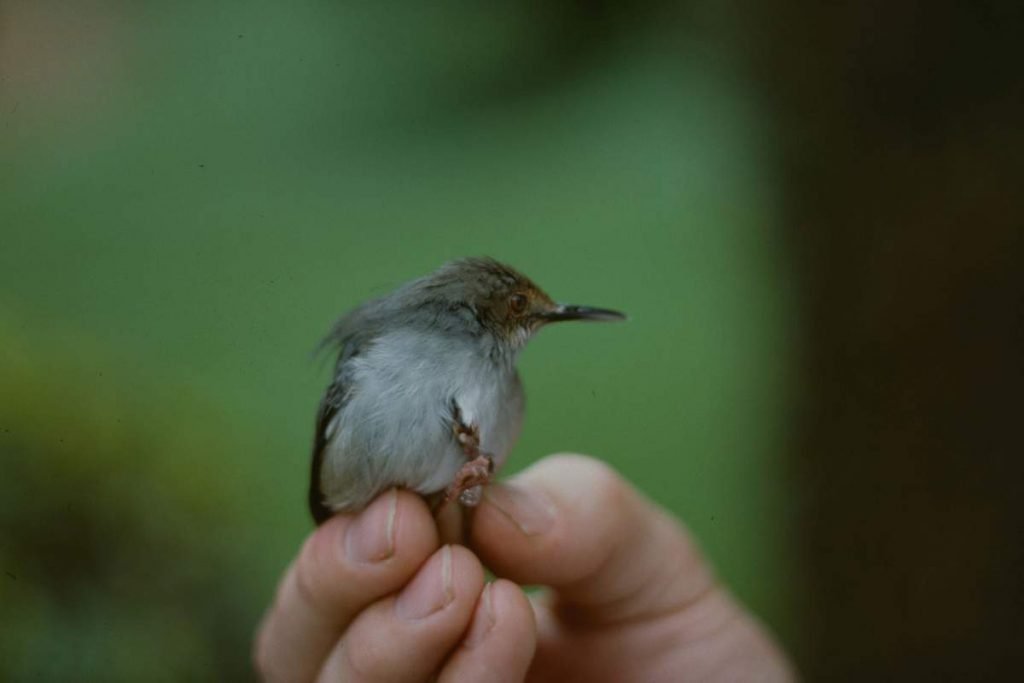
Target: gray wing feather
[{"x": 345, "y": 334}]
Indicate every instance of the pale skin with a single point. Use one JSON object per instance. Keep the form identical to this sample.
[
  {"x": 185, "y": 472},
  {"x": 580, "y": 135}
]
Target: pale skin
[{"x": 375, "y": 597}]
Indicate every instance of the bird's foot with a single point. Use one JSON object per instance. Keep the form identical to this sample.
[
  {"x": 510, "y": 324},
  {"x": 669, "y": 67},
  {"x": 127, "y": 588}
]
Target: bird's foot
[
  {"x": 471, "y": 497},
  {"x": 468, "y": 437},
  {"x": 468, "y": 485}
]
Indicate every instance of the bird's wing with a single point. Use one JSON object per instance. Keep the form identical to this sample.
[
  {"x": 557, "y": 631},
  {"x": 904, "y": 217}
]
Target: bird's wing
[{"x": 330, "y": 405}]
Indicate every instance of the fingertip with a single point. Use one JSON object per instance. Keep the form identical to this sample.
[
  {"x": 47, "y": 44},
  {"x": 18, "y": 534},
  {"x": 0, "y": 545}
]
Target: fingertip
[
  {"x": 345, "y": 564},
  {"x": 408, "y": 635},
  {"x": 501, "y": 603},
  {"x": 414, "y": 525},
  {"x": 387, "y": 541},
  {"x": 501, "y": 640},
  {"x": 552, "y": 522},
  {"x": 513, "y": 608},
  {"x": 397, "y": 522},
  {"x": 467, "y": 573},
  {"x": 451, "y": 579},
  {"x": 573, "y": 523},
  {"x": 581, "y": 482},
  {"x": 484, "y": 619},
  {"x": 580, "y": 464},
  {"x": 513, "y": 523}
]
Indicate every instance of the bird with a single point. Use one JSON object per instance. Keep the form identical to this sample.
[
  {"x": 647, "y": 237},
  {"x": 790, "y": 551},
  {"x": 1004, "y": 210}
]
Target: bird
[{"x": 425, "y": 394}]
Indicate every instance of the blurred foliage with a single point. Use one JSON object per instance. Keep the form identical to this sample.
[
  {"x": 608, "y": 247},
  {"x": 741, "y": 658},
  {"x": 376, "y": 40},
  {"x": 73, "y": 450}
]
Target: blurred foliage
[
  {"x": 121, "y": 560},
  {"x": 197, "y": 190}
]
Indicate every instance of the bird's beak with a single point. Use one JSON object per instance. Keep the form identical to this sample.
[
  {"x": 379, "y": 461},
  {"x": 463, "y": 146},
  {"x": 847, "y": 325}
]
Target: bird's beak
[{"x": 570, "y": 312}]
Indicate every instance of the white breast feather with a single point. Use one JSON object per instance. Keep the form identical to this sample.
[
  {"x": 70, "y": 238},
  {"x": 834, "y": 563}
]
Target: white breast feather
[{"x": 394, "y": 428}]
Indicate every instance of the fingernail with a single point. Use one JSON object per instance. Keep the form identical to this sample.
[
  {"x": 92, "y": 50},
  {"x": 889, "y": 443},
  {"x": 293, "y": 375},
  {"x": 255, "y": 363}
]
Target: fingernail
[
  {"x": 371, "y": 535},
  {"x": 483, "y": 620},
  {"x": 530, "y": 510},
  {"x": 431, "y": 590}
]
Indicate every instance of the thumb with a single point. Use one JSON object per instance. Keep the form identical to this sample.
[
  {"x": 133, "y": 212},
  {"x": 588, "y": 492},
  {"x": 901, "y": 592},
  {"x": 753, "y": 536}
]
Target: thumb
[{"x": 572, "y": 523}]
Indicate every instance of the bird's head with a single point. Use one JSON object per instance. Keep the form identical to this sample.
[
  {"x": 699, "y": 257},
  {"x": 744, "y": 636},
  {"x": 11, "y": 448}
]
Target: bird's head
[{"x": 504, "y": 301}]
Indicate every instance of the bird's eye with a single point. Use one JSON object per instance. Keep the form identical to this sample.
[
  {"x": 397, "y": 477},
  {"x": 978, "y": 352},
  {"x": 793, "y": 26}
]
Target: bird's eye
[{"x": 517, "y": 303}]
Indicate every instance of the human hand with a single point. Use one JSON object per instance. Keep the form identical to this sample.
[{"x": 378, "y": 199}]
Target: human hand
[{"x": 629, "y": 596}]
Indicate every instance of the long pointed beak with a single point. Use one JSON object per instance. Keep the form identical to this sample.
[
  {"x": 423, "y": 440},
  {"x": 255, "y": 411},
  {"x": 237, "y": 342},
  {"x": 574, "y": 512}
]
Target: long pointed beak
[{"x": 570, "y": 312}]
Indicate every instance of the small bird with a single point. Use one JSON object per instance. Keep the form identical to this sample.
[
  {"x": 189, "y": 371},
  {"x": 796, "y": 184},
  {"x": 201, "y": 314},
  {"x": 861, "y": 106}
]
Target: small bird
[{"x": 425, "y": 394}]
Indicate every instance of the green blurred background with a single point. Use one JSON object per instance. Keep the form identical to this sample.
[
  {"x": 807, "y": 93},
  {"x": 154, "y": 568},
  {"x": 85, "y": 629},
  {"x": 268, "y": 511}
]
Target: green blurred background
[
  {"x": 811, "y": 214},
  {"x": 192, "y": 192}
]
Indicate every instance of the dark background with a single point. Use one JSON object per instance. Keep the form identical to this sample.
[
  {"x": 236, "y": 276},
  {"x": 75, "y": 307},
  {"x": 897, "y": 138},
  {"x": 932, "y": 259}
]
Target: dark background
[
  {"x": 903, "y": 149},
  {"x": 812, "y": 213}
]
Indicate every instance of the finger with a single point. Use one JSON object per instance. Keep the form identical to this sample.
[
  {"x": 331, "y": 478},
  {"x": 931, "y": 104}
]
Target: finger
[
  {"x": 407, "y": 637},
  {"x": 345, "y": 565},
  {"x": 572, "y": 523},
  {"x": 500, "y": 643}
]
